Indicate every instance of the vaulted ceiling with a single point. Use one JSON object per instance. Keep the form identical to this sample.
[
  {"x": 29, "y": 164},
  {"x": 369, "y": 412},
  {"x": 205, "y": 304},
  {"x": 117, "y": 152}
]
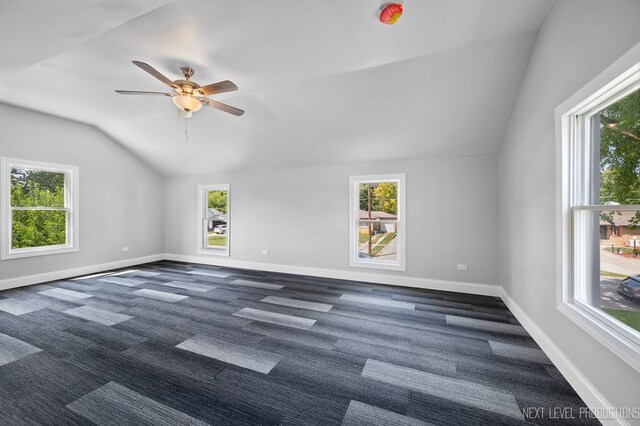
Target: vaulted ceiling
[{"x": 321, "y": 81}]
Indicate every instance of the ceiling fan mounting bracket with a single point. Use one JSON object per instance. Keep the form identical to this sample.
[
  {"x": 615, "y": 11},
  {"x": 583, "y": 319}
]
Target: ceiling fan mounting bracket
[{"x": 187, "y": 72}]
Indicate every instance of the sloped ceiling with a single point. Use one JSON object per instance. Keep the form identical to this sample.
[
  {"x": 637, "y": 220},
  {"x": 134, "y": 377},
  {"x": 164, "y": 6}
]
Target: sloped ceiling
[{"x": 321, "y": 82}]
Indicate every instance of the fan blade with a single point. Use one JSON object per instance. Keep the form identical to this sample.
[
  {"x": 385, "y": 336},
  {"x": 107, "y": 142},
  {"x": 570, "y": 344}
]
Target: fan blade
[
  {"x": 221, "y": 106},
  {"x": 220, "y": 87},
  {"x": 136, "y": 92},
  {"x": 148, "y": 68}
]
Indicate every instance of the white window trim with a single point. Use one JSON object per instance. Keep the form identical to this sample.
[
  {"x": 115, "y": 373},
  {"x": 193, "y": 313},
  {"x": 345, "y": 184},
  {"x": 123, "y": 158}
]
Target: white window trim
[
  {"x": 71, "y": 202},
  {"x": 354, "y": 205},
  {"x": 615, "y": 82},
  {"x": 202, "y": 235}
]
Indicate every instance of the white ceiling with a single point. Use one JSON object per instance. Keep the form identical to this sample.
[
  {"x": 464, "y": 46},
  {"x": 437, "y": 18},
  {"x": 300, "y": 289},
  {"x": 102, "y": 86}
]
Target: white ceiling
[{"x": 321, "y": 81}]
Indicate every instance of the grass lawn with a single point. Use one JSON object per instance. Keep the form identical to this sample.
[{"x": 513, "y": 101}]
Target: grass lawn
[
  {"x": 631, "y": 318},
  {"x": 217, "y": 240},
  {"x": 363, "y": 238},
  {"x": 383, "y": 242},
  {"x": 381, "y": 239},
  {"x": 611, "y": 274}
]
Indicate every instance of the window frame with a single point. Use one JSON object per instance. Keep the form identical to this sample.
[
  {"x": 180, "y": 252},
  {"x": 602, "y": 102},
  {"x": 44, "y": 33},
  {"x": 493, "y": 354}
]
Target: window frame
[
  {"x": 354, "y": 207},
  {"x": 71, "y": 205},
  {"x": 203, "y": 246},
  {"x": 574, "y": 188}
]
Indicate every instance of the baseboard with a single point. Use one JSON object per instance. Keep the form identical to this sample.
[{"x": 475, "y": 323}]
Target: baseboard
[
  {"x": 398, "y": 280},
  {"x": 589, "y": 394},
  {"x": 583, "y": 387},
  {"x": 74, "y": 272}
]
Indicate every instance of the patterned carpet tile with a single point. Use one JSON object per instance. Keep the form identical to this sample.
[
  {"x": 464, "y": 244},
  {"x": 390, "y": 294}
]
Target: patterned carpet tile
[{"x": 171, "y": 343}]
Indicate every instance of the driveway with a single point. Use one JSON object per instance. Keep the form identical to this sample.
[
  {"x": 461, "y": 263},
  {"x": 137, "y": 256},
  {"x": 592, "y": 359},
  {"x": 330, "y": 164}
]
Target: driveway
[
  {"x": 611, "y": 299},
  {"x": 390, "y": 251},
  {"x": 620, "y": 265}
]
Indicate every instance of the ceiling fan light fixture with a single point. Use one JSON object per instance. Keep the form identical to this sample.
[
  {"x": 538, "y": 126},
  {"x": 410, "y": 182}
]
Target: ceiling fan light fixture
[
  {"x": 189, "y": 96},
  {"x": 187, "y": 103}
]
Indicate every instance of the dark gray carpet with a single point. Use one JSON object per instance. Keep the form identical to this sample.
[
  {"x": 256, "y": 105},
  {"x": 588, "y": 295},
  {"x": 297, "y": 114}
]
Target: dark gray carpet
[{"x": 172, "y": 343}]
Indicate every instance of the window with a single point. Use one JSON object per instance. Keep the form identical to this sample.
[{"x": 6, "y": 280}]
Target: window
[
  {"x": 377, "y": 224},
  {"x": 39, "y": 208},
  {"x": 213, "y": 223},
  {"x": 599, "y": 274}
]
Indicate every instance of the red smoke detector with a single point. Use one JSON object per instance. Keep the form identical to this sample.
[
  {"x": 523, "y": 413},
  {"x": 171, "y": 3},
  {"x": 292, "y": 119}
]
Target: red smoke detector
[{"x": 391, "y": 13}]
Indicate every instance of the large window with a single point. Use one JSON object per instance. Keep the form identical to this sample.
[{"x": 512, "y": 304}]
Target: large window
[
  {"x": 214, "y": 226},
  {"x": 39, "y": 208},
  {"x": 377, "y": 227},
  {"x": 599, "y": 134}
]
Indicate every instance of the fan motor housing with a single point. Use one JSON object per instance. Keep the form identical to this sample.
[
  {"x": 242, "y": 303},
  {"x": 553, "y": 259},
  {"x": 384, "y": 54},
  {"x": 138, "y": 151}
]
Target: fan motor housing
[{"x": 187, "y": 86}]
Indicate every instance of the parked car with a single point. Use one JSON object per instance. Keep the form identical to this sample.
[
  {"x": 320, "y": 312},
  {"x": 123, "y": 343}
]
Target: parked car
[
  {"x": 629, "y": 288},
  {"x": 220, "y": 229}
]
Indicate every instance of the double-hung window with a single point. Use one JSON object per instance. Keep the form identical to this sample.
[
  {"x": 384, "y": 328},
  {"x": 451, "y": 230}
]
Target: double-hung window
[
  {"x": 39, "y": 208},
  {"x": 598, "y": 133},
  {"x": 377, "y": 223},
  {"x": 214, "y": 226}
]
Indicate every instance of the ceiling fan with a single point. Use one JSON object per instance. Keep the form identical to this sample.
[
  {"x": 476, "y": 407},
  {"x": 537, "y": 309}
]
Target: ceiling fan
[{"x": 187, "y": 95}]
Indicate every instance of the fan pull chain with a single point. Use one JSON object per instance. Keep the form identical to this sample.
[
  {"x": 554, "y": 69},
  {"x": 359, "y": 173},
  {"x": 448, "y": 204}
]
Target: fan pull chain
[{"x": 186, "y": 130}]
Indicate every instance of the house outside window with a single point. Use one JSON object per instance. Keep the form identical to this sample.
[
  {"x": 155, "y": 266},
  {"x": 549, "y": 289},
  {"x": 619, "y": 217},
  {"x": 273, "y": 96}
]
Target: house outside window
[
  {"x": 377, "y": 223},
  {"x": 213, "y": 220},
  {"x": 598, "y": 133},
  {"x": 39, "y": 208}
]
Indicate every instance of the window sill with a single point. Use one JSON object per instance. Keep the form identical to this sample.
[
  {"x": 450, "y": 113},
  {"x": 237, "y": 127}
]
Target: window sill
[
  {"x": 40, "y": 251},
  {"x": 376, "y": 265},
  {"x": 214, "y": 252},
  {"x": 607, "y": 335}
]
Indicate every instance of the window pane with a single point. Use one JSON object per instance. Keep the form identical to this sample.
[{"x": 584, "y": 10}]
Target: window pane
[
  {"x": 36, "y": 188},
  {"x": 612, "y": 263},
  {"x": 377, "y": 241},
  {"x": 38, "y": 228},
  {"x": 216, "y": 222},
  {"x": 619, "y": 133},
  {"x": 380, "y": 198}
]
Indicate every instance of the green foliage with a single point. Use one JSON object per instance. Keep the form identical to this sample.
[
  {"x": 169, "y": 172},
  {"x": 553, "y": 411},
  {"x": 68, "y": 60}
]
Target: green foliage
[
  {"x": 384, "y": 197},
  {"x": 217, "y": 200},
  {"x": 620, "y": 151},
  {"x": 37, "y": 228},
  {"x": 37, "y": 188},
  {"x": 364, "y": 190},
  {"x": 386, "y": 194}
]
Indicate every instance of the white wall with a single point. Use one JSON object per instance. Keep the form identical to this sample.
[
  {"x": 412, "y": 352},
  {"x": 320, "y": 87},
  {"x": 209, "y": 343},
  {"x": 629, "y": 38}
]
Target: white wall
[
  {"x": 120, "y": 197},
  {"x": 579, "y": 40},
  {"x": 301, "y": 216}
]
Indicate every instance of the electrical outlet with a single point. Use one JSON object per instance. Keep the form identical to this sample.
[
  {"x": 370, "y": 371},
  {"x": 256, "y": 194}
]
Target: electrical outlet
[
  {"x": 461, "y": 267},
  {"x": 265, "y": 251},
  {"x": 125, "y": 248}
]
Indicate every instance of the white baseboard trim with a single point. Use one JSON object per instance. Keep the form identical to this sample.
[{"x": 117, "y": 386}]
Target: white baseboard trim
[
  {"x": 584, "y": 388},
  {"x": 398, "y": 280},
  {"x": 74, "y": 272},
  {"x": 590, "y": 395}
]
